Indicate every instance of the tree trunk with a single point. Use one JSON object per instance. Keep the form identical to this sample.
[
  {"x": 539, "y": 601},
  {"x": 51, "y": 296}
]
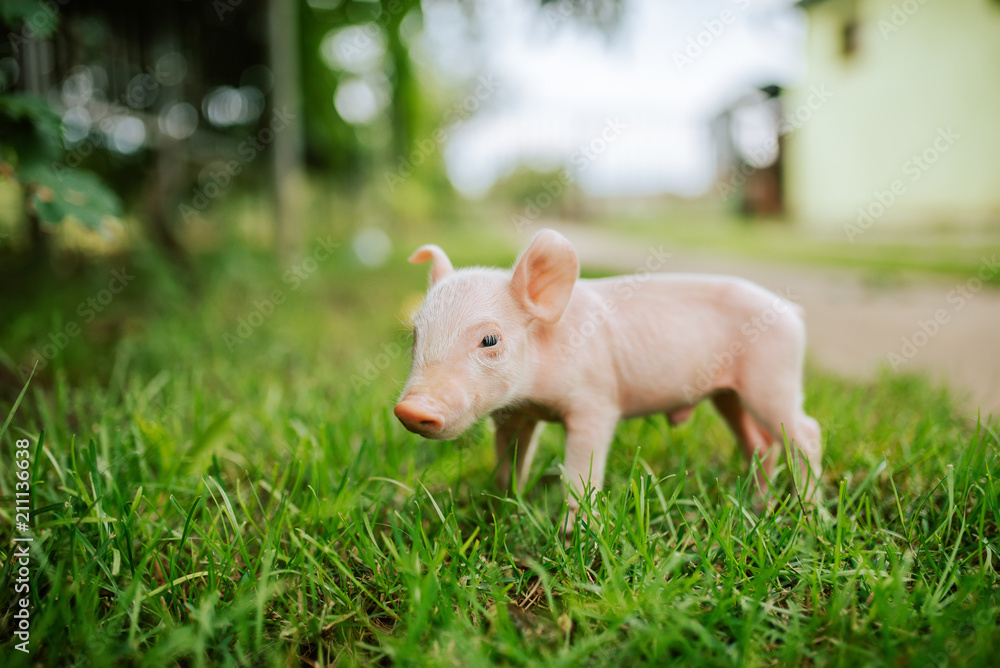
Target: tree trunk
[{"x": 286, "y": 153}]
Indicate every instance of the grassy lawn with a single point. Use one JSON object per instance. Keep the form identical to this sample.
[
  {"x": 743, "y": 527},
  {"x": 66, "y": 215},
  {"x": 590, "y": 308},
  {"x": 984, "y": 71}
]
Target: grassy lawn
[
  {"x": 203, "y": 498},
  {"x": 883, "y": 254}
]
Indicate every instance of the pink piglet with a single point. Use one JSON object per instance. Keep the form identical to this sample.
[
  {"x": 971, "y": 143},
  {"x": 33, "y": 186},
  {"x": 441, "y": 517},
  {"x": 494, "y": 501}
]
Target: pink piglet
[{"x": 540, "y": 344}]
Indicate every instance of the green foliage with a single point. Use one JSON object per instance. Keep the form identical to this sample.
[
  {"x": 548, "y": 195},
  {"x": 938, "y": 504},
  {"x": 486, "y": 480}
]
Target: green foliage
[
  {"x": 197, "y": 505},
  {"x": 334, "y": 143},
  {"x": 34, "y": 155},
  {"x": 62, "y": 192},
  {"x": 32, "y": 128},
  {"x": 29, "y": 18},
  {"x": 32, "y": 150}
]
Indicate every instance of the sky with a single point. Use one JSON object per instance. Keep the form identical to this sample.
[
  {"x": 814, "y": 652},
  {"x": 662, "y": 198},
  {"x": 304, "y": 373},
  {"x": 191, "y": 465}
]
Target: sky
[{"x": 628, "y": 114}]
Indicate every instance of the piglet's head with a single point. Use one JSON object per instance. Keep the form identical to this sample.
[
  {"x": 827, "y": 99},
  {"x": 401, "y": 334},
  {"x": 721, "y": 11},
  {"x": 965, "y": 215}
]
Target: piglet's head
[{"x": 472, "y": 335}]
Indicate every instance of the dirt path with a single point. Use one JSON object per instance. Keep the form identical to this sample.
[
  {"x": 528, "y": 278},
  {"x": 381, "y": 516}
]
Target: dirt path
[{"x": 854, "y": 328}]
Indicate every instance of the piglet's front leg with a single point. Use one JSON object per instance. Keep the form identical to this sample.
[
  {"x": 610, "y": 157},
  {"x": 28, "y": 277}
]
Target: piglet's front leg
[
  {"x": 589, "y": 432},
  {"x": 515, "y": 431}
]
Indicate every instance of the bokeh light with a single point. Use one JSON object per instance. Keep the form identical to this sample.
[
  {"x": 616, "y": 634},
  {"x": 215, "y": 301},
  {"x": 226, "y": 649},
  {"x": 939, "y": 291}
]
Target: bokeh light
[
  {"x": 359, "y": 101},
  {"x": 171, "y": 68},
  {"x": 78, "y": 88},
  {"x": 128, "y": 135},
  {"x": 76, "y": 124},
  {"x": 356, "y": 49},
  {"x": 372, "y": 246},
  {"x": 227, "y": 106},
  {"x": 179, "y": 121}
]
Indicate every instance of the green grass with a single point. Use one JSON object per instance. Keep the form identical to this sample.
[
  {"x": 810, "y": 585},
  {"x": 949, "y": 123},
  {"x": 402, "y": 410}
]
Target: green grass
[
  {"x": 197, "y": 506},
  {"x": 884, "y": 254}
]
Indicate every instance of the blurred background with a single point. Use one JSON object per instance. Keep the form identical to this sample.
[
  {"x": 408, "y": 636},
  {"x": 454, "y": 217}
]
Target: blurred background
[{"x": 232, "y": 182}]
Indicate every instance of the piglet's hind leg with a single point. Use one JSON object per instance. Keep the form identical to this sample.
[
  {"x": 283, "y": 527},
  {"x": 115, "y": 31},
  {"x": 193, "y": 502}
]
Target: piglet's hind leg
[{"x": 752, "y": 437}]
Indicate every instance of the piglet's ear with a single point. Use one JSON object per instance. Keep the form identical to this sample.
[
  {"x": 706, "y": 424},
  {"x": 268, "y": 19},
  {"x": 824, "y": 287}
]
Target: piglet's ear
[
  {"x": 544, "y": 276},
  {"x": 442, "y": 265}
]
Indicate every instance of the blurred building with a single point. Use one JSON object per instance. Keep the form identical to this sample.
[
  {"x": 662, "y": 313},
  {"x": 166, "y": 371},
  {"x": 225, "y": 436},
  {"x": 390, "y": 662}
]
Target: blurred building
[
  {"x": 749, "y": 144},
  {"x": 908, "y": 127}
]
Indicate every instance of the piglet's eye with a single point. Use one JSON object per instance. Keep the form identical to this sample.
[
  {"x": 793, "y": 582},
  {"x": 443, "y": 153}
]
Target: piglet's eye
[{"x": 489, "y": 341}]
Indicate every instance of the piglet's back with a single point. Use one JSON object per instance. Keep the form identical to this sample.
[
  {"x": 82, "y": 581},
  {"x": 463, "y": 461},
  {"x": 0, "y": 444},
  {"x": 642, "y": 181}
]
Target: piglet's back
[{"x": 679, "y": 327}]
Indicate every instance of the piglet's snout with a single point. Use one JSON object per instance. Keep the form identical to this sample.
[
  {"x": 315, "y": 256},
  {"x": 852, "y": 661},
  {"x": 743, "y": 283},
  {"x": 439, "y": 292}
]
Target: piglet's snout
[{"x": 419, "y": 415}]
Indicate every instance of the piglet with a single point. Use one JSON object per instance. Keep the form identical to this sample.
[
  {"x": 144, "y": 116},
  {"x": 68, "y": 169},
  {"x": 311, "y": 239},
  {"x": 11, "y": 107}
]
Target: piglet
[{"x": 539, "y": 344}]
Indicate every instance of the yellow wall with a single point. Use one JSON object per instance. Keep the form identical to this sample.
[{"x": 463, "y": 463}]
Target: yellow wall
[{"x": 939, "y": 70}]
